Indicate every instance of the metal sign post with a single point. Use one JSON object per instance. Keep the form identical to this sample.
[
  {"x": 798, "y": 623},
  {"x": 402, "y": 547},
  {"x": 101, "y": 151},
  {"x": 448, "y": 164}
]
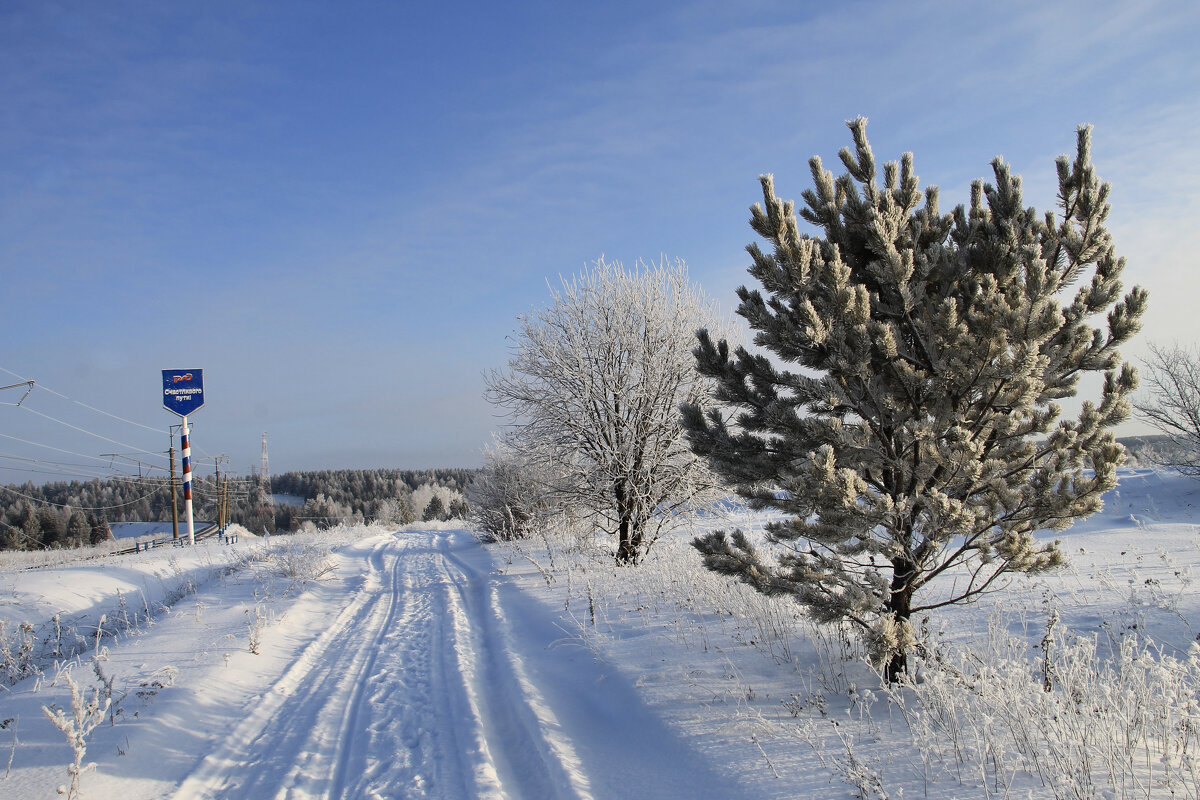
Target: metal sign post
[{"x": 183, "y": 393}]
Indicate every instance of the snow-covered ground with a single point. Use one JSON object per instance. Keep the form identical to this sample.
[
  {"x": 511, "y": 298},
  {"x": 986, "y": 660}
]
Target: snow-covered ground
[{"x": 367, "y": 663}]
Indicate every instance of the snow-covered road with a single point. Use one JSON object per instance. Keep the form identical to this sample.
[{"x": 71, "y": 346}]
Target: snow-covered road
[
  {"x": 409, "y": 693},
  {"x": 438, "y": 680}
]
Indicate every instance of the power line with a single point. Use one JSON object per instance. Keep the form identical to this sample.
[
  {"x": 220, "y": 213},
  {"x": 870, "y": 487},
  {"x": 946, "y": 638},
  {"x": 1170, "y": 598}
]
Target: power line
[
  {"x": 89, "y": 475},
  {"x": 95, "y": 473},
  {"x": 90, "y": 433},
  {"x": 16, "y": 457},
  {"x": 85, "y": 478},
  {"x": 72, "y": 475},
  {"x": 88, "y": 471},
  {"x": 67, "y": 469},
  {"x": 39, "y": 466},
  {"x": 49, "y": 447},
  {"x": 81, "y": 508},
  {"x": 77, "y": 402}
]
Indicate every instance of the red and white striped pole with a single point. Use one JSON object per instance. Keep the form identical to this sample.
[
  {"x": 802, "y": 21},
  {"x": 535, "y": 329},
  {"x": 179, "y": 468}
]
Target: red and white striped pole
[{"x": 187, "y": 482}]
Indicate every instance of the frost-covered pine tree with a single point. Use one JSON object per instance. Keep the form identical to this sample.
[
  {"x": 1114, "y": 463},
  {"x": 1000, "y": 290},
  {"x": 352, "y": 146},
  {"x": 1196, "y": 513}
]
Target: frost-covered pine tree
[{"x": 906, "y": 418}]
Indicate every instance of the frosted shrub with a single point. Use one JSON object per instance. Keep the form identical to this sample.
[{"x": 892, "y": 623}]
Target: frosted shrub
[
  {"x": 25, "y": 650},
  {"x": 1081, "y": 725},
  {"x": 254, "y": 629},
  {"x": 85, "y": 716},
  {"x": 16, "y": 652},
  {"x": 507, "y": 498},
  {"x": 106, "y": 688},
  {"x": 301, "y": 562}
]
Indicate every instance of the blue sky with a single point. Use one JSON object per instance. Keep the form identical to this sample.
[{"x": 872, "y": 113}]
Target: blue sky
[{"x": 338, "y": 209}]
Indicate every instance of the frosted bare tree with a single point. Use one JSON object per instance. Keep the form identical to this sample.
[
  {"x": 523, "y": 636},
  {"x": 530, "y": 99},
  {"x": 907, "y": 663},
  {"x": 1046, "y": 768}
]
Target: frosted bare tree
[
  {"x": 917, "y": 444},
  {"x": 1172, "y": 376},
  {"x": 593, "y": 389},
  {"x": 508, "y": 496}
]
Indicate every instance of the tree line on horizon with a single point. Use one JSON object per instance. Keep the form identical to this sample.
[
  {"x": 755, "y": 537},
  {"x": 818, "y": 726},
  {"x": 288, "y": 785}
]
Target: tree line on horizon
[{"x": 78, "y": 513}]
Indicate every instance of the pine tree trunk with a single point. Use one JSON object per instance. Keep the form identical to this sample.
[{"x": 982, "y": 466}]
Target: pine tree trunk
[{"x": 899, "y": 605}]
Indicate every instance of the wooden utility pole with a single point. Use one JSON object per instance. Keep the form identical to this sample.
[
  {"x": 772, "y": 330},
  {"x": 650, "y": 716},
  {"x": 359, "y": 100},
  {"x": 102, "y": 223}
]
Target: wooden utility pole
[
  {"x": 220, "y": 499},
  {"x": 225, "y": 505}
]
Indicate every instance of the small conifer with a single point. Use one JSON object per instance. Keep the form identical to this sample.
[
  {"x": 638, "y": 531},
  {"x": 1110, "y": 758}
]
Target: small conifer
[
  {"x": 906, "y": 420},
  {"x": 435, "y": 510}
]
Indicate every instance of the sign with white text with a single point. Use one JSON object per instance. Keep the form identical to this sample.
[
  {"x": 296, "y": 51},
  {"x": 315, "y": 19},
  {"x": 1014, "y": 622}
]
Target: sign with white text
[{"x": 183, "y": 390}]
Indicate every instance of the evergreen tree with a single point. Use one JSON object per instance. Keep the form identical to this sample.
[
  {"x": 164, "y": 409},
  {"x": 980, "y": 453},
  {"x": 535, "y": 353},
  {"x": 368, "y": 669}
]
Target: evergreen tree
[
  {"x": 436, "y": 509},
  {"x": 53, "y": 527},
  {"x": 920, "y": 432},
  {"x": 11, "y": 536},
  {"x": 405, "y": 513},
  {"x": 31, "y": 526},
  {"x": 458, "y": 509},
  {"x": 285, "y": 517},
  {"x": 78, "y": 530},
  {"x": 325, "y": 512},
  {"x": 100, "y": 532}
]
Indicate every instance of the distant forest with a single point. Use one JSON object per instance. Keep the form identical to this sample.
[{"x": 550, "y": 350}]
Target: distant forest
[{"x": 71, "y": 514}]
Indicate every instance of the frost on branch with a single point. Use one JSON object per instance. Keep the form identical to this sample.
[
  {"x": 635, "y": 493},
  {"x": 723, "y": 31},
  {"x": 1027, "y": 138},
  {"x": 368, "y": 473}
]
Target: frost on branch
[
  {"x": 906, "y": 418},
  {"x": 593, "y": 390},
  {"x": 1172, "y": 403},
  {"x": 85, "y": 716}
]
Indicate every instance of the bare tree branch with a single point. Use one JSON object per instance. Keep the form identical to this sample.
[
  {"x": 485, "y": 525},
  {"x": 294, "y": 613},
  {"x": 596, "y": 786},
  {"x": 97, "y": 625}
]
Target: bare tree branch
[
  {"x": 1171, "y": 375},
  {"x": 593, "y": 389}
]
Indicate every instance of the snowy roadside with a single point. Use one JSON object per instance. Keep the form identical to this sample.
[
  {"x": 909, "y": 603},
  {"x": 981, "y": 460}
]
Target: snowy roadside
[
  {"x": 413, "y": 668},
  {"x": 423, "y": 664},
  {"x": 223, "y": 623},
  {"x": 792, "y": 710},
  {"x": 55, "y": 612}
]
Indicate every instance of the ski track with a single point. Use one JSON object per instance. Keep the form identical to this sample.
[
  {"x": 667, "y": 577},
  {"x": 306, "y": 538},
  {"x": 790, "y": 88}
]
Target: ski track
[{"x": 415, "y": 691}]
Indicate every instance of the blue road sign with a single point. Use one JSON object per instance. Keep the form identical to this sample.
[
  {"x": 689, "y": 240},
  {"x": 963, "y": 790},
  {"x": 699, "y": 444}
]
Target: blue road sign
[{"x": 183, "y": 390}]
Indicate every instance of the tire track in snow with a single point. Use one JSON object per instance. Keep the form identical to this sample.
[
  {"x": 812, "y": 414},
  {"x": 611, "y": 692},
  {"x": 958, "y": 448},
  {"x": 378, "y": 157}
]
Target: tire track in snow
[
  {"x": 532, "y": 758},
  {"x": 289, "y": 743},
  {"x": 413, "y": 691},
  {"x": 418, "y": 734}
]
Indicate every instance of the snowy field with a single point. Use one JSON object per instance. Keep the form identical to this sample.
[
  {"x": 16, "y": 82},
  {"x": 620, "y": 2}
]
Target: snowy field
[{"x": 368, "y": 663}]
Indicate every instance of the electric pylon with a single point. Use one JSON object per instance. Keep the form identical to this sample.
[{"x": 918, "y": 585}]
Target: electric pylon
[{"x": 265, "y": 470}]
